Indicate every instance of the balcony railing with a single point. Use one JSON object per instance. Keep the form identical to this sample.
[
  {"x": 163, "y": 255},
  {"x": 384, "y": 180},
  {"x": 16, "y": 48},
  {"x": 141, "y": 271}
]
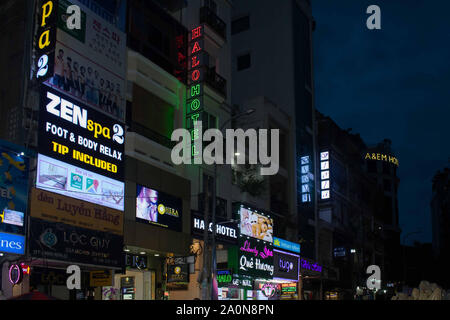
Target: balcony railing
[
  {"x": 216, "y": 81},
  {"x": 211, "y": 19}
]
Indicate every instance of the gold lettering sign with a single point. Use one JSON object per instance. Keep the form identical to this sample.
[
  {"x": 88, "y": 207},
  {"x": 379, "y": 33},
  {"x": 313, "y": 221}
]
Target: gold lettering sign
[
  {"x": 57, "y": 208},
  {"x": 381, "y": 157}
]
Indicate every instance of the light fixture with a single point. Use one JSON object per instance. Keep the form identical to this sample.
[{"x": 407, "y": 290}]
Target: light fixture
[
  {"x": 1, "y": 254},
  {"x": 126, "y": 250},
  {"x": 142, "y": 252},
  {"x": 156, "y": 254},
  {"x": 352, "y": 250},
  {"x": 237, "y": 154}
]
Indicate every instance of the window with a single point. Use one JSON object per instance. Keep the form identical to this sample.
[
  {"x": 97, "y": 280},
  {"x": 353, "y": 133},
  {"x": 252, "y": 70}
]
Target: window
[
  {"x": 240, "y": 25},
  {"x": 243, "y": 62},
  {"x": 211, "y": 4}
]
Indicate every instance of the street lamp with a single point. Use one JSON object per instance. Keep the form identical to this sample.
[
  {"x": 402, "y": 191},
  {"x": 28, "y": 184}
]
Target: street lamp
[{"x": 213, "y": 240}]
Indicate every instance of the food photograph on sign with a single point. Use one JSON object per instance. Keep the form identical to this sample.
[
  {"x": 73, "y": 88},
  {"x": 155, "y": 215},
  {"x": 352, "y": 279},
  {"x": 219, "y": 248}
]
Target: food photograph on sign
[
  {"x": 256, "y": 225},
  {"x": 158, "y": 208},
  {"x": 67, "y": 180}
]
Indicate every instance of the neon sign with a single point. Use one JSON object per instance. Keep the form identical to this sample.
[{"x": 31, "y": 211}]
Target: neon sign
[
  {"x": 269, "y": 289},
  {"x": 45, "y": 38},
  {"x": 306, "y": 178},
  {"x": 15, "y": 274},
  {"x": 194, "y": 101}
]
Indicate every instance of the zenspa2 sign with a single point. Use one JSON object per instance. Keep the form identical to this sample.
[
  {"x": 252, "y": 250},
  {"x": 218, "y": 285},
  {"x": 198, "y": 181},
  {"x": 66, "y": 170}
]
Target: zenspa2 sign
[
  {"x": 74, "y": 133},
  {"x": 158, "y": 208}
]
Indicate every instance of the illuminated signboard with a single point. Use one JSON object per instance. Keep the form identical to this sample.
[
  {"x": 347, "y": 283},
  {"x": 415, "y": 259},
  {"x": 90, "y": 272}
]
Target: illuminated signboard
[
  {"x": 45, "y": 39},
  {"x": 15, "y": 274},
  {"x": 58, "y": 208},
  {"x": 178, "y": 273},
  {"x": 14, "y": 171},
  {"x": 306, "y": 178},
  {"x": 224, "y": 277},
  {"x": 67, "y": 180},
  {"x": 255, "y": 258},
  {"x": 74, "y": 133},
  {"x": 381, "y": 157},
  {"x": 63, "y": 242},
  {"x": 90, "y": 62},
  {"x": 158, "y": 208},
  {"x": 12, "y": 243},
  {"x": 255, "y": 224},
  {"x": 308, "y": 265},
  {"x": 226, "y": 231},
  {"x": 286, "y": 265},
  {"x": 194, "y": 101},
  {"x": 286, "y": 245},
  {"x": 325, "y": 175}
]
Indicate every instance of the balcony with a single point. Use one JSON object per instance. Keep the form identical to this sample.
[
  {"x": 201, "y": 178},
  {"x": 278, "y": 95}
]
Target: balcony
[
  {"x": 216, "y": 81},
  {"x": 212, "y": 20}
]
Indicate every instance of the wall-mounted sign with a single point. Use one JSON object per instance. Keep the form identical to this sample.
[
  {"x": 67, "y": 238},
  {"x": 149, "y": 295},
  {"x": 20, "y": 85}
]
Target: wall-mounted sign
[
  {"x": 307, "y": 178},
  {"x": 12, "y": 243},
  {"x": 194, "y": 101},
  {"x": 242, "y": 281},
  {"x": 269, "y": 289},
  {"x": 158, "y": 208},
  {"x": 72, "y": 132},
  {"x": 339, "y": 252},
  {"x": 311, "y": 266},
  {"x": 102, "y": 278},
  {"x": 57, "y": 241},
  {"x": 178, "y": 273},
  {"x": 286, "y": 245},
  {"x": 325, "y": 175},
  {"x": 57, "y": 208},
  {"x": 14, "y": 169},
  {"x": 286, "y": 265},
  {"x": 45, "y": 39},
  {"x": 15, "y": 274},
  {"x": 255, "y": 258},
  {"x": 62, "y": 178},
  {"x": 288, "y": 288},
  {"x": 136, "y": 261},
  {"x": 224, "y": 277},
  {"x": 226, "y": 232},
  {"x": 381, "y": 157},
  {"x": 255, "y": 224},
  {"x": 90, "y": 62}
]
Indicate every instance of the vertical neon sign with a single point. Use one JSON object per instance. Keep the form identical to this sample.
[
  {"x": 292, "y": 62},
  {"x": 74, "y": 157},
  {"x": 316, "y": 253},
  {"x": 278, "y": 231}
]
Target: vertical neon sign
[
  {"x": 325, "y": 175},
  {"x": 306, "y": 177},
  {"x": 194, "y": 101}
]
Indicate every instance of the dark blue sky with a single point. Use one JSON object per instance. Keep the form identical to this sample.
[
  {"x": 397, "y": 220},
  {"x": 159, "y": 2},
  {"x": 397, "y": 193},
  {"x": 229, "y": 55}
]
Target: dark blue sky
[{"x": 390, "y": 83}]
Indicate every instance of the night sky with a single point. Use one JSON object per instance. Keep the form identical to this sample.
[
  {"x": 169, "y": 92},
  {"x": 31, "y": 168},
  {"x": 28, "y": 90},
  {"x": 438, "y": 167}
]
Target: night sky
[{"x": 390, "y": 83}]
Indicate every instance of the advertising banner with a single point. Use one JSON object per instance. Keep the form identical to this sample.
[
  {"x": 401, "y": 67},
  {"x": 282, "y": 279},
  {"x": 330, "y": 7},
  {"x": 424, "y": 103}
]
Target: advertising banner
[
  {"x": 286, "y": 265},
  {"x": 226, "y": 232},
  {"x": 158, "y": 208},
  {"x": 58, "y": 241},
  {"x": 255, "y": 258},
  {"x": 102, "y": 278},
  {"x": 57, "y": 208},
  {"x": 90, "y": 63},
  {"x": 74, "y": 133},
  {"x": 310, "y": 267},
  {"x": 13, "y": 188},
  {"x": 255, "y": 224},
  {"x": 286, "y": 245},
  {"x": 67, "y": 180},
  {"x": 12, "y": 243}
]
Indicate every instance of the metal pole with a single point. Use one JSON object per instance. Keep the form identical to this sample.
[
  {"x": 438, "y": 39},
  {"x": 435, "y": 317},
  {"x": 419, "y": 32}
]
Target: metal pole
[
  {"x": 213, "y": 240},
  {"x": 205, "y": 272}
]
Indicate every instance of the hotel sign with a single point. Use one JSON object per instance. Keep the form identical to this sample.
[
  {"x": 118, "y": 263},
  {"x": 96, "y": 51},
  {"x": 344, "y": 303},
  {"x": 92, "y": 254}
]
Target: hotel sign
[{"x": 381, "y": 157}]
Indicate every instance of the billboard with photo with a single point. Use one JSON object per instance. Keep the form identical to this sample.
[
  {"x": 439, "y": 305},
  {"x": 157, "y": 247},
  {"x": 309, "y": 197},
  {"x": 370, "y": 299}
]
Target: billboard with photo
[
  {"x": 77, "y": 134},
  {"x": 255, "y": 224},
  {"x": 90, "y": 63},
  {"x": 158, "y": 208},
  {"x": 14, "y": 167},
  {"x": 71, "y": 181}
]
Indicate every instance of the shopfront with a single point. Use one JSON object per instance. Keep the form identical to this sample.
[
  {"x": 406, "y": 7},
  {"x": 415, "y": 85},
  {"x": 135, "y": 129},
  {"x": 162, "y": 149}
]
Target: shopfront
[{"x": 311, "y": 273}]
